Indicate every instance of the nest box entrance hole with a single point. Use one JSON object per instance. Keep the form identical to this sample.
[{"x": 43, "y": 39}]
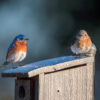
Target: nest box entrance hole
[
  {"x": 21, "y": 92},
  {"x": 26, "y": 89}
]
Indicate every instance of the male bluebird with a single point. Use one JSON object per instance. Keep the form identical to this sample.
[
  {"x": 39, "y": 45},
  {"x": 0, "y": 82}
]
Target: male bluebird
[
  {"x": 17, "y": 50},
  {"x": 83, "y": 45}
]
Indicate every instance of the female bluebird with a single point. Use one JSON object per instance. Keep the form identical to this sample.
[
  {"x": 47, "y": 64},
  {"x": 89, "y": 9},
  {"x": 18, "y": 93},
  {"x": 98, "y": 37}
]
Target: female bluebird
[
  {"x": 83, "y": 45},
  {"x": 17, "y": 50}
]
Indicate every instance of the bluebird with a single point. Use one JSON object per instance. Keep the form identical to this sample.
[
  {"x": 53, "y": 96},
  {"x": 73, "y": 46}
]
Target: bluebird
[
  {"x": 17, "y": 50},
  {"x": 83, "y": 45}
]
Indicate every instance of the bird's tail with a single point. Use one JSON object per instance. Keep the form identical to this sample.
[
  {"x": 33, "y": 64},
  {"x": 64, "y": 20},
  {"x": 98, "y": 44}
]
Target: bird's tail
[{"x": 4, "y": 64}]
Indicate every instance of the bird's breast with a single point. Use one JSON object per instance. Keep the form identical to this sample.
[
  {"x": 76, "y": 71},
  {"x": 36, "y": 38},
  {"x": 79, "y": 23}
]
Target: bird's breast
[
  {"x": 84, "y": 43},
  {"x": 20, "y": 46}
]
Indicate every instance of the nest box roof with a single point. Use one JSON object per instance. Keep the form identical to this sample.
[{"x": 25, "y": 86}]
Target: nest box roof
[{"x": 47, "y": 66}]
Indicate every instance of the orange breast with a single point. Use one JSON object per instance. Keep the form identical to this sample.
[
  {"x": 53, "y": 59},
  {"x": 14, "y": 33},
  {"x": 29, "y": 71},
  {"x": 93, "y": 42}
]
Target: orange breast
[
  {"x": 18, "y": 46},
  {"x": 84, "y": 43}
]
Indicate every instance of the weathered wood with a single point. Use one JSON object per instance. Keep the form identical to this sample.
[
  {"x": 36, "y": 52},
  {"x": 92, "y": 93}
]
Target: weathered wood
[
  {"x": 63, "y": 78},
  {"x": 41, "y": 86},
  {"x": 90, "y": 82},
  {"x": 72, "y": 84},
  {"x": 46, "y": 66},
  {"x": 22, "y": 89},
  {"x": 26, "y": 89}
]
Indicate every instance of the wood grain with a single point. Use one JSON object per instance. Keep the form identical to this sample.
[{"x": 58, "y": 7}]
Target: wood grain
[
  {"x": 41, "y": 86},
  {"x": 72, "y": 84}
]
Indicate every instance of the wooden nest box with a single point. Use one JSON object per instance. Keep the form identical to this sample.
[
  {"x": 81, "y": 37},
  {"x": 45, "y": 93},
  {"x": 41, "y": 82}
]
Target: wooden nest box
[{"x": 62, "y": 78}]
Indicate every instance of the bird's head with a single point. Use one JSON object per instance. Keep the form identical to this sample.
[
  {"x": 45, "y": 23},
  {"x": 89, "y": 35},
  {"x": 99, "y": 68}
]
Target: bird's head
[
  {"x": 21, "y": 38},
  {"x": 82, "y": 34}
]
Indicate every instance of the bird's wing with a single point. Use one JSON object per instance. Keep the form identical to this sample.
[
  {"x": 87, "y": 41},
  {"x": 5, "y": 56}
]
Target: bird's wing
[
  {"x": 94, "y": 47},
  {"x": 74, "y": 41},
  {"x": 10, "y": 46},
  {"x": 9, "y": 50}
]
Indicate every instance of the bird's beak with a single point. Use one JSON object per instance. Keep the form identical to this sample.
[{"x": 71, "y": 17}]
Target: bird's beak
[{"x": 26, "y": 39}]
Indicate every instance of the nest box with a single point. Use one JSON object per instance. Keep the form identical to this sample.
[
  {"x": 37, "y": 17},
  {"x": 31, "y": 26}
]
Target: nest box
[{"x": 62, "y": 78}]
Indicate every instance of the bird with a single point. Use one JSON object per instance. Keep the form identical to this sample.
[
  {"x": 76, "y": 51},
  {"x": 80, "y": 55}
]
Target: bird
[
  {"x": 17, "y": 50},
  {"x": 82, "y": 44}
]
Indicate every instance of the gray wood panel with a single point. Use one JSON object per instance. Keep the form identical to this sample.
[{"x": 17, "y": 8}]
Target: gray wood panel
[
  {"x": 41, "y": 86},
  {"x": 72, "y": 84}
]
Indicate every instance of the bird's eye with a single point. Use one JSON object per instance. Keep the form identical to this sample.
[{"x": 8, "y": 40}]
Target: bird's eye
[{"x": 21, "y": 39}]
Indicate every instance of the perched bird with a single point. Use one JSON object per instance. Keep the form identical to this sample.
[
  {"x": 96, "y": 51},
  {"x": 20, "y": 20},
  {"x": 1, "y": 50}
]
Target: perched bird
[
  {"x": 83, "y": 45},
  {"x": 17, "y": 50}
]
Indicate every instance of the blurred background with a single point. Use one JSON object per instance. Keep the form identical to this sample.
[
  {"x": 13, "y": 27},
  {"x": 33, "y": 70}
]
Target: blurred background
[{"x": 50, "y": 25}]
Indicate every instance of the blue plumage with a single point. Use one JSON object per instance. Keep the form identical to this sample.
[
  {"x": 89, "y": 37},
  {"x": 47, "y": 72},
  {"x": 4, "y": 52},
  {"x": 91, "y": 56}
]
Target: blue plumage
[
  {"x": 10, "y": 46},
  {"x": 20, "y": 36},
  {"x": 21, "y": 45},
  {"x": 16, "y": 38}
]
